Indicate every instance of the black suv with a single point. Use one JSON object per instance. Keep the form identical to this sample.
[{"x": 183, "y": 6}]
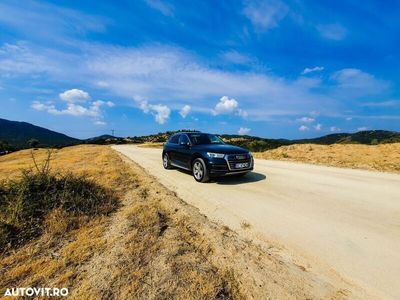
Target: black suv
[{"x": 205, "y": 155}]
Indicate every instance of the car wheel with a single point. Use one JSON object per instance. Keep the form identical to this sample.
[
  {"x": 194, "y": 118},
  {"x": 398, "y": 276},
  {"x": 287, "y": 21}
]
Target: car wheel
[
  {"x": 166, "y": 161},
  {"x": 200, "y": 172}
]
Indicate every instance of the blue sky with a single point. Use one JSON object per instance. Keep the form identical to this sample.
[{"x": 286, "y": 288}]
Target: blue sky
[{"x": 279, "y": 69}]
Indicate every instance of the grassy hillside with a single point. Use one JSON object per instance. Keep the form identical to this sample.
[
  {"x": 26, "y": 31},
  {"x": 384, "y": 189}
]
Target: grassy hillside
[
  {"x": 17, "y": 134},
  {"x": 368, "y": 137}
]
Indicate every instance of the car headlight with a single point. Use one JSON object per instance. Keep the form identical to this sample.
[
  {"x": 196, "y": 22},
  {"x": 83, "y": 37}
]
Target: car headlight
[{"x": 215, "y": 155}]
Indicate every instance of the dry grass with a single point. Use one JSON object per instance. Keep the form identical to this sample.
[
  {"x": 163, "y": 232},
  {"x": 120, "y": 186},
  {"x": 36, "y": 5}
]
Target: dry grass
[
  {"x": 137, "y": 252},
  {"x": 383, "y": 157},
  {"x": 154, "y": 246},
  {"x": 151, "y": 145}
]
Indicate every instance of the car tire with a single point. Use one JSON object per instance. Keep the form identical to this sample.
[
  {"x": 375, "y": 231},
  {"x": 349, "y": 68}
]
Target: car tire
[
  {"x": 200, "y": 171},
  {"x": 166, "y": 162}
]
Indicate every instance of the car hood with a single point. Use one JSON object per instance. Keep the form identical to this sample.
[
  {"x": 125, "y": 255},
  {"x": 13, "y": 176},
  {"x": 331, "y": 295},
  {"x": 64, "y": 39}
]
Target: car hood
[{"x": 222, "y": 148}]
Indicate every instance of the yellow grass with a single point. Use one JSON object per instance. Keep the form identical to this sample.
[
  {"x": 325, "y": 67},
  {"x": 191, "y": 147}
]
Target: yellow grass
[
  {"x": 383, "y": 157},
  {"x": 151, "y": 145}
]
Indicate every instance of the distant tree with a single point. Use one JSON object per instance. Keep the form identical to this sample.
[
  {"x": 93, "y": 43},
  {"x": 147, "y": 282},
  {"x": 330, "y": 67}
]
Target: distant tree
[
  {"x": 33, "y": 143},
  {"x": 4, "y": 146},
  {"x": 374, "y": 142}
]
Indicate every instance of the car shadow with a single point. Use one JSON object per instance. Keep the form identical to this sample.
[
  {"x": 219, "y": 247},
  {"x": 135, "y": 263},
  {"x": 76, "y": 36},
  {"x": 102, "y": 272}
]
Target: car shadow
[{"x": 233, "y": 180}]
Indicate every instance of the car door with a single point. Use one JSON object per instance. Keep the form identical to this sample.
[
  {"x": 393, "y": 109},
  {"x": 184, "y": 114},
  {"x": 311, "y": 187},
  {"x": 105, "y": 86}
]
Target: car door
[
  {"x": 184, "y": 151},
  {"x": 173, "y": 149}
]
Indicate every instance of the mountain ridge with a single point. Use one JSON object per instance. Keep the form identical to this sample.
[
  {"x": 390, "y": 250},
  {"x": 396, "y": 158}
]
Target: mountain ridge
[{"x": 17, "y": 134}]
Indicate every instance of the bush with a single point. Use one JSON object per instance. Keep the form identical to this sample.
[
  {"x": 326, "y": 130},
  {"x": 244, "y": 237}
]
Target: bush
[{"x": 24, "y": 203}]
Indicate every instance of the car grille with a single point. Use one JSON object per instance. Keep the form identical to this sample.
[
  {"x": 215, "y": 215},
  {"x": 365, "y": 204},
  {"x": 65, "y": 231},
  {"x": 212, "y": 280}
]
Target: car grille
[{"x": 233, "y": 159}]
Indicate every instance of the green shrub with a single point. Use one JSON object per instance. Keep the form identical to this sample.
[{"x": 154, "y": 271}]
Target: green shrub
[{"x": 24, "y": 203}]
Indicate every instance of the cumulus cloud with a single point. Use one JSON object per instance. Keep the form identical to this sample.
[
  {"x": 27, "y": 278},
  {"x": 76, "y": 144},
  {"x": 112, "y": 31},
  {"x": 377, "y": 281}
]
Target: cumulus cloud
[
  {"x": 334, "y": 129},
  {"x": 160, "y": 112},
  {"x": 74, "y": 95},
  {"x": 304, "y": 128},
  {"x": 265, "y": 14},
  {"x": 334, "y": 32},
  {"x": 244, "y": 131},
  {"x": 306, "y": 120},
  {"x": 310, "y": 70},
  {"x": 185, "y": 110},
  {"x": 318, "y": 127},
  {"x": 362, "y": 128},
  {"x": 227, "y": 106}
]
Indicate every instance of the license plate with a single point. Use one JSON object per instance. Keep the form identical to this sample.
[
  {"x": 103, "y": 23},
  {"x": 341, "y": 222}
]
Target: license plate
[{"x": 241, "y": 165}]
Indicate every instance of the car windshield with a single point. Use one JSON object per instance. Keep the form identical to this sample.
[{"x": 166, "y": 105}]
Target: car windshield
[{"x": 205, "y": 139}]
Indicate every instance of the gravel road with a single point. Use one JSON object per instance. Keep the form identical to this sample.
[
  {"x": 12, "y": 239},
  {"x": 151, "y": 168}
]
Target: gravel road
[{"x": 340, "y": 219}]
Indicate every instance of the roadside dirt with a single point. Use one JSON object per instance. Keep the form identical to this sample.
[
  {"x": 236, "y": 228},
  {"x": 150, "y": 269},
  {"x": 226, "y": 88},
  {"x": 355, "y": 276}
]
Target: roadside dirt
[{"x": 338, "y": 219}]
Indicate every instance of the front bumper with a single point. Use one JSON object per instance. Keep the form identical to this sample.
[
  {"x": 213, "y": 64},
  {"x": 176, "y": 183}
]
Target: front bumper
[{"x": 223, "y": 166}]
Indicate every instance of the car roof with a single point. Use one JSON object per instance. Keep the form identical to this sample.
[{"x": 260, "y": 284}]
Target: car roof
[{"x": 189, "y": 133}]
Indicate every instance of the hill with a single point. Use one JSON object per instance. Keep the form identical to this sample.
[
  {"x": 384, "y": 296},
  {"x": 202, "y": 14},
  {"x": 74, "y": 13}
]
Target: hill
[
  {"x": 362, "y": 137},
  {"x": 258, "y": 144},
  {"x": 17, "y": 134}
]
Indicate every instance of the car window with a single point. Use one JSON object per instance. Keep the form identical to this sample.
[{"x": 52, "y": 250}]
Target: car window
[
  {"x": 174, "y": 139},
  {"x": 205, "y": 139},
  {"x": 183, "y": 139}
]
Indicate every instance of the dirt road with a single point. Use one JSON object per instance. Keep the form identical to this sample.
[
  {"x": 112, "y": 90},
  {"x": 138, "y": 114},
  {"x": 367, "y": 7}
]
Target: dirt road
[{"x": 340, "y": 219}]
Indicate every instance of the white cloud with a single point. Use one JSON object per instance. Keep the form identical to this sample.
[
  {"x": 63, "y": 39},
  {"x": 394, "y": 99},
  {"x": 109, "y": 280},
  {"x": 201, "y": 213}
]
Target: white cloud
[
  {"x": 160, "y": 112},
  {"x": 161, "y": 6},
  {"x": 334, "y": 129},
  {"x": 99, "y": 123},
  {"x": 306, "y": 120},
  {"x": 362, "y": 128},
  {"x": 102, "y": 84},
  {"x": 17, "y": 59},
  {"x": 303, "y": 128},
  {"x": 235, "y": 57},
  {"x": 265, "y": 14},
  {"x": 310, "y": 70},
  {"x": 169, "y": 74},
  {"x": 349, "y": 118},
  {"x": 91, "y": 109},
  {"x": 355, "y": 83},
  {"x": 242, "y": 113},
  {"x": 185, "y": 110},
  {"x": 334, "y": 32},
  {"x": 226, "y": 105},
  {"x": 74, "y": 96},
  {"x": 244, "y": 131},
  {"x": 389, "y": 103},
  {"x": 318, "y": 127}
]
